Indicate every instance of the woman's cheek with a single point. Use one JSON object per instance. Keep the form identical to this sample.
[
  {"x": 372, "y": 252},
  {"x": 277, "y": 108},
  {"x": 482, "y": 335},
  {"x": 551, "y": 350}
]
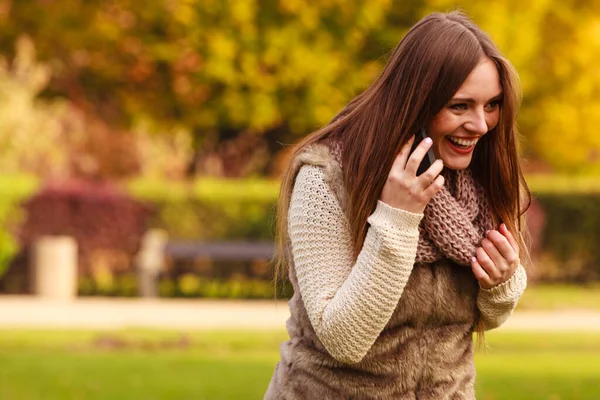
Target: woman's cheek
[{"x": 493, "y": 121}]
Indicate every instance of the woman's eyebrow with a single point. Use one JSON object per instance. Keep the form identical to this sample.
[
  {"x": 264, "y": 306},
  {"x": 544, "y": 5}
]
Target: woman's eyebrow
[{"x": 470, "y": 100}]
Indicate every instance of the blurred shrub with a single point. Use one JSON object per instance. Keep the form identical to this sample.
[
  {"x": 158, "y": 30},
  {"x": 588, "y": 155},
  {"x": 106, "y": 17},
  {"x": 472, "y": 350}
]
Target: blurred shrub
[
  {"x": 206, "y": 189},
  {"x": 212, "y": 209},
  {"x": 106, "y": 223},
  {"x": 238, "y": 288},
  {"x": 8, "y": 244},
  {"x": 122, "y": 285},
  {"x": 162, "y": 154},
  {"x": 55, "y": 138},
  {"x": 216, "y": 220},
  {"x": 13, "y": 189},
  {"x": 570, "y": 243},
  {"x": 37, "y": 137},
  {"x": 563, "y": 184},
  {"x": 188, "y": 286},
  {"x": 23, "y": 117}
]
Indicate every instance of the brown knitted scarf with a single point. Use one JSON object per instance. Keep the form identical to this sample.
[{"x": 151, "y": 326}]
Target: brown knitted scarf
[{"x": 455, "y": 221}]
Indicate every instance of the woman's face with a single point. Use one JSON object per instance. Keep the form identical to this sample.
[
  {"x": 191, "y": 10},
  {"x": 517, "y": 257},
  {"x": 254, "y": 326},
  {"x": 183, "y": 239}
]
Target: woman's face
[{"x": 471, "y": 113}]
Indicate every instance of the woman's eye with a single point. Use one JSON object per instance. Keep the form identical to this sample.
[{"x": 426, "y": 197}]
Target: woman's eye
[
  {"x": 493, "y": 105},
  {"x": 459, "y": 106}
]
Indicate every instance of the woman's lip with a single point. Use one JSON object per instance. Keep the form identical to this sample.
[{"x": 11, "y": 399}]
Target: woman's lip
[
  {"x": 459, "y": 150},
  {"x": 466, "y": 137}
]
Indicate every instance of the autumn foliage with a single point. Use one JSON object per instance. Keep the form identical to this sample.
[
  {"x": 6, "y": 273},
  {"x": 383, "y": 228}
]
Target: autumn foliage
[{"x": 267, "y": 72}]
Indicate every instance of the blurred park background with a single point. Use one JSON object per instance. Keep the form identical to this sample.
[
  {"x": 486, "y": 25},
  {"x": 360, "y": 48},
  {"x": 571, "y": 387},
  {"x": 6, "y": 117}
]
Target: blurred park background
[{"x": 140, "y": 149}]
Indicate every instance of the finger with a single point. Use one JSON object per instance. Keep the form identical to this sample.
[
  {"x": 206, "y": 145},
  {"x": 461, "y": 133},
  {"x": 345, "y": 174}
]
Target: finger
[
  {"x": 402, "y": 157},
  {"x": 434, "y": 187},
  {"x": 427, "y": 177},
  {"x": 509, "y": 236},
  {"x": 487, "y": 264},
  {"x": 399, "y": 163},
  {"x": 414, "y": 160},
  {"x": 504, "y": 247},
  {"x": 491, "y": 250},
  {"x": 480, "y": 274}
]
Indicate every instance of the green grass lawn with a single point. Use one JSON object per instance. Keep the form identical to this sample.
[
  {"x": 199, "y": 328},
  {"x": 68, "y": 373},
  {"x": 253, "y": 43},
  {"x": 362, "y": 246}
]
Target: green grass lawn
[{"x": 238, "y": 365}]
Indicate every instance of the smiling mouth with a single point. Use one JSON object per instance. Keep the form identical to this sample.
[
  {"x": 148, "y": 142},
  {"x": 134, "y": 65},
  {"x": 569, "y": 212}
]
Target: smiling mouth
[
  {"x": 462, "y": 143},
  {"x": 461, "y": 146}
]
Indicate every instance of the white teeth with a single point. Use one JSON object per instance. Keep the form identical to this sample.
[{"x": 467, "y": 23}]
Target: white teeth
[{"x": 463, "y": 142}]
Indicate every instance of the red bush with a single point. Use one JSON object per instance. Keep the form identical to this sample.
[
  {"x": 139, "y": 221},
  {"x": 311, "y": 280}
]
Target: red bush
[{"x": 106, "y": 223}]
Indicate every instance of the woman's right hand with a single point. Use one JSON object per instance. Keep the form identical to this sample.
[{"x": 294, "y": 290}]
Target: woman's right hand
[{"x": 403, "y": 188}]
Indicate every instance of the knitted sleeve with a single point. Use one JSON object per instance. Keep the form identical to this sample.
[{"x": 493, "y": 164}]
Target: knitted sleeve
[
  {"x": 498, "y": 303},
  {"x": 349, "y": 301}
]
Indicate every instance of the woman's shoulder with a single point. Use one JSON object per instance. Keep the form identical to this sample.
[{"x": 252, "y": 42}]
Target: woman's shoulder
[
  {"x": 319, "y": 162},
  {"x": 325, "y": 154}
]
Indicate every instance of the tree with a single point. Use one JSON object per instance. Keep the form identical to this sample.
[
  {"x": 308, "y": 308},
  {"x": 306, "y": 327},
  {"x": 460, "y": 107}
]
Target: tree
[
  {"x": 555, "y": 47},
  {"x": 244, "y": 76},
  {"x": 219, "y": 69}
]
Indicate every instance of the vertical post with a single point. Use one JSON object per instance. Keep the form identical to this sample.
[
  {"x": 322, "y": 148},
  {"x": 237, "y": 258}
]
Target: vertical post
[
  {"x": 55, "y": 267},
  {"x": 150, "y": 261}
]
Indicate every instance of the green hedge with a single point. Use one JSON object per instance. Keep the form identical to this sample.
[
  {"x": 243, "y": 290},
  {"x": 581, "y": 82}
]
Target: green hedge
[
  {"x": 212, "y": 209},
  {"x": 563, "y": 184},
  {"x": 570, "y": 248},
  {"x": 224, "y": 219}
]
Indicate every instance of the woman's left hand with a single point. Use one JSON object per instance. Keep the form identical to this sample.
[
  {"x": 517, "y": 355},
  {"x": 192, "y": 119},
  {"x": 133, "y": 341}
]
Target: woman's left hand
[{"x": 497, "y": 259}]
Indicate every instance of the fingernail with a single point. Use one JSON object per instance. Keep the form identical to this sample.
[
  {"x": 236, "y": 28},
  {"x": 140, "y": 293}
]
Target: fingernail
[
  {"x": 504, "y": 225},
  {"x": 486, "y": 232},
  {"x": 473, "y": 259},
  {"x": 428, "y": 140}
]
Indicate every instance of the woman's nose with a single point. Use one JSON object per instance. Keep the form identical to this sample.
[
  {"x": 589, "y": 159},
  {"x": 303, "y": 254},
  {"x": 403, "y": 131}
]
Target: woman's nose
[{"x": 477, "y": 123}]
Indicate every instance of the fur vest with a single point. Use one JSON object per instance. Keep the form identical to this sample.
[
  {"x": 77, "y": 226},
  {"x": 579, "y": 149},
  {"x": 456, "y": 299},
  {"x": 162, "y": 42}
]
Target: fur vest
[{"x": 424, "y": 352}]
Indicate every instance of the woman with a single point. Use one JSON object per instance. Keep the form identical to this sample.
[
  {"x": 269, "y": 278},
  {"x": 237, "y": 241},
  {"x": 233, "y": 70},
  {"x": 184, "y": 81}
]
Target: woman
[{"x": 394, "y": 271}]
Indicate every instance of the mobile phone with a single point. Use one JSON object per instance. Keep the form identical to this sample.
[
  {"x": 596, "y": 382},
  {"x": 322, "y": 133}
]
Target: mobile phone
[{"x": 429, "y": 157}]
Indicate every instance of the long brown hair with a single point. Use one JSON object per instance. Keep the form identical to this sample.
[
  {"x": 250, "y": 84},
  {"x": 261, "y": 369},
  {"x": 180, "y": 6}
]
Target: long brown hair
[{"x": 424, "y": 71}]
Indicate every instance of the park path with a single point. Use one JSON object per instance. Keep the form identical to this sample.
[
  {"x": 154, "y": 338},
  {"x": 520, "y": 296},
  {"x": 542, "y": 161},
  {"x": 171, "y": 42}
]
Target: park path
[{"x": 108, "y": 313}]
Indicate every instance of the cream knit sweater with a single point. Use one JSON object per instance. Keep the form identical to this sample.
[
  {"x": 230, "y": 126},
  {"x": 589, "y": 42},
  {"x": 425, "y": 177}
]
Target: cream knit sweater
[{"x": 349, "y": 301}]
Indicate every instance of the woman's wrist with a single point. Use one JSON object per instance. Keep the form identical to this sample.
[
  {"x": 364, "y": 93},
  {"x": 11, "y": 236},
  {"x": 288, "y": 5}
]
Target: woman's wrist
[{"x": 388, "y": 215}]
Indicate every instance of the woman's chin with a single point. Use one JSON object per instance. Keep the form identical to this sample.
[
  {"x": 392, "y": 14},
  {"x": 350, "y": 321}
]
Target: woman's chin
[{"x": 456, "y": 163}]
